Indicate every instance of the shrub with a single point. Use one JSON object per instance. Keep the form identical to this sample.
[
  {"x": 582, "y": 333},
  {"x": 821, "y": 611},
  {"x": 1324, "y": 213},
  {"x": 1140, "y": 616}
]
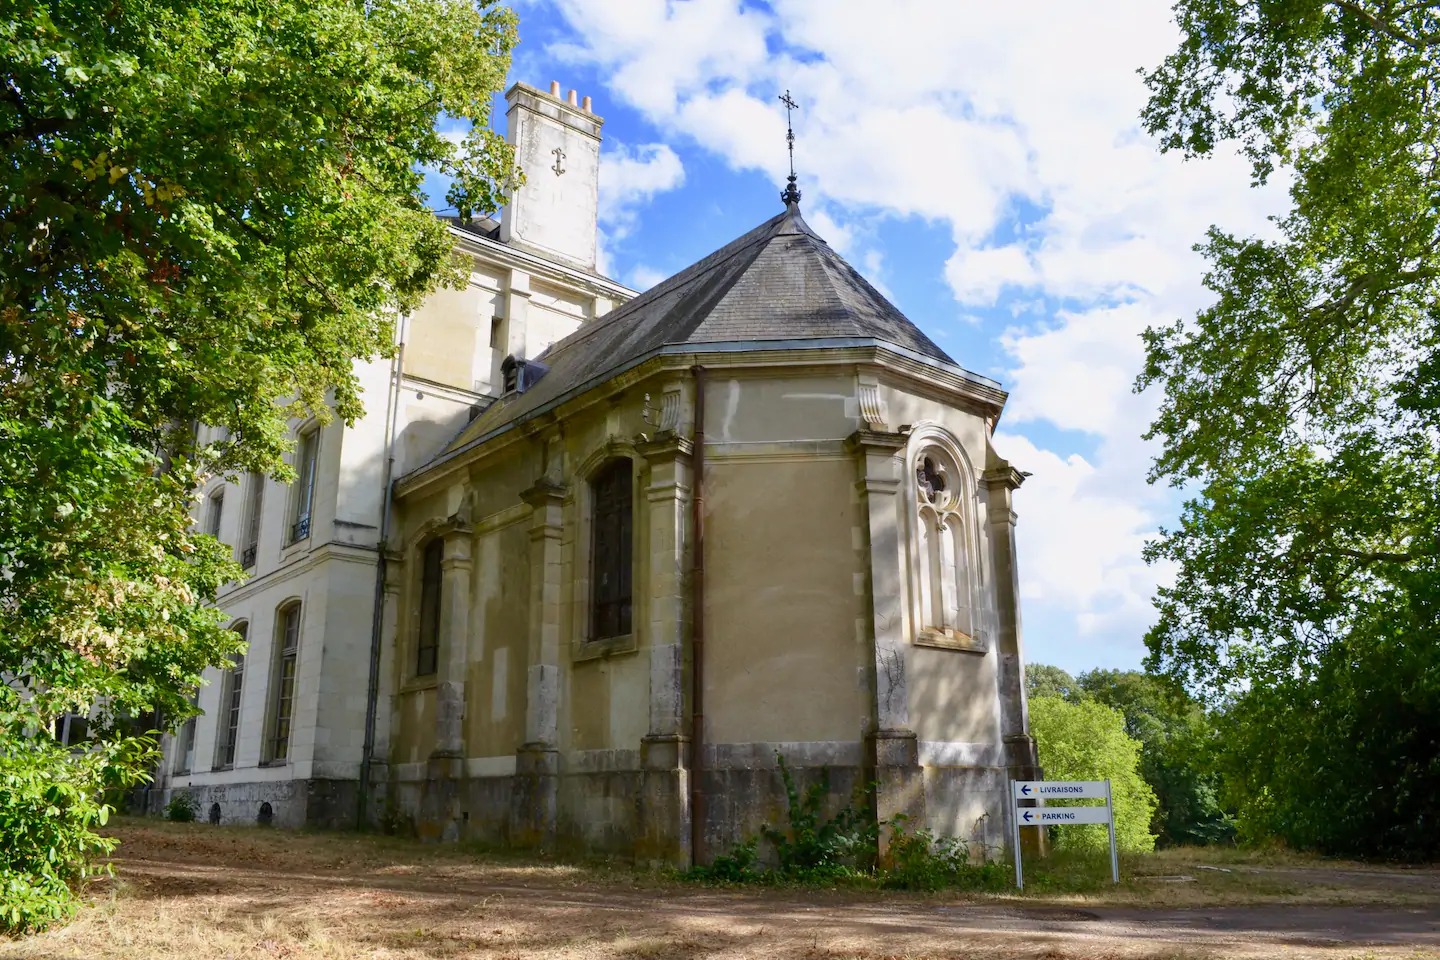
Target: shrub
[
  {"x": 924, "y": 861},
  {"x": 182, "y": 808},
  {"x": 49, "y": 808},
  {"x": 813, "y": 847},
  {"x": 740, "y": 865}
]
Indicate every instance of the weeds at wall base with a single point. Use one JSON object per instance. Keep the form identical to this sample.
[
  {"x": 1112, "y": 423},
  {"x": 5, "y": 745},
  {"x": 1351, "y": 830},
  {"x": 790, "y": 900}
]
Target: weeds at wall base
[{"x": 843, "y": 849}]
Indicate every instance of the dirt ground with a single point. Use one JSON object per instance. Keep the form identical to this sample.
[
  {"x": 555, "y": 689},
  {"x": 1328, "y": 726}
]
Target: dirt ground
[{"x": 195, "y": 891}]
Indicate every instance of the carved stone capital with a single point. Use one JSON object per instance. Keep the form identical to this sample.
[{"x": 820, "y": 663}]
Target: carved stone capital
[
  {"x": 875, "y": 441},
  {"x": 546, "y": 492},
  {"x": 1005, "y": 477},
  {"x": 665, "y": 448}
]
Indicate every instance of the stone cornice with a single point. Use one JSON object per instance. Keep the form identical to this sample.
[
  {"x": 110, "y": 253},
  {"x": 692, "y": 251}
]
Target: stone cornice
[
  {"x": 511, "y": 257},
  {"x": 953, "y": 386}
]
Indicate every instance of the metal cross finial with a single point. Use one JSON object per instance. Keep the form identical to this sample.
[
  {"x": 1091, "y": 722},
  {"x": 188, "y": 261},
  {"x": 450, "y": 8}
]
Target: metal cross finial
[{"x": 791, "y": 193}]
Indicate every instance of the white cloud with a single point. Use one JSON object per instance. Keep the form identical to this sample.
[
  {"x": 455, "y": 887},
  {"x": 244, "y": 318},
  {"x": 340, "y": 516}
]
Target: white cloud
[
  {"x": 630, "y": 178},
  {"x": 644, "y": 277},
  {"x": 1080, "y": 539}
]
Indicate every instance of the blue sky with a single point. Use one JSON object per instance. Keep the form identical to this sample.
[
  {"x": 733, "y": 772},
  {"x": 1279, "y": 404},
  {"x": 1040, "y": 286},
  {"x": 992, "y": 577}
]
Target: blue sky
[{"x": 983, "y": 165}]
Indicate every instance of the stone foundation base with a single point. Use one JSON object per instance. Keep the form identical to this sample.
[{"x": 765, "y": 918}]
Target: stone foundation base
[
  {"x": 636, "y": 803},
  {"x": 319, "y": 804}
]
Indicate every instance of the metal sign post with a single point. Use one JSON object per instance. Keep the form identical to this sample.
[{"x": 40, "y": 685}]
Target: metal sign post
[{"x": 1062, "y": 816}]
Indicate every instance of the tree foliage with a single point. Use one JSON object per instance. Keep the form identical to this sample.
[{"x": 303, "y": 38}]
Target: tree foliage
[
  {"x": 1301, "y": 409},
  {"x": 1178, "y": 742},
  {"x": 1045, "y": 680},
  {"x": 1086, "y": 740},
  {"x": 208, "y": 211}
]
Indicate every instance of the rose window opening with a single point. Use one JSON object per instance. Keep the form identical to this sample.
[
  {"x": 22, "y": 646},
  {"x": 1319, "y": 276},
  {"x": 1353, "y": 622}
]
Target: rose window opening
[{"x": 931, "y": 479}]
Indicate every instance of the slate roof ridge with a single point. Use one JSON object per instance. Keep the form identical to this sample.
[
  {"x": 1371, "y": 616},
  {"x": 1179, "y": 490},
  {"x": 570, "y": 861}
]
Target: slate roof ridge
[{"x": 761, "y": 234}]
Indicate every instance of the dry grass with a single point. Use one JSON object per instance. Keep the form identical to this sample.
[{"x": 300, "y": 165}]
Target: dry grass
[{"x": 194, "y": 891}]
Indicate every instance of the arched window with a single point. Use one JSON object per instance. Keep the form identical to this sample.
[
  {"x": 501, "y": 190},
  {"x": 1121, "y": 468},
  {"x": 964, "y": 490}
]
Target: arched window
[
  {"x": 427, "y": 644},
  {"x": 943, "y": 575},
  {"x": 611, "y": 560},
  {"x": 227, "y": 732},
  {"x": 282, "y": 701},
  {"x": 307, "y": 453},
  {"x": 215, "y": 512}
]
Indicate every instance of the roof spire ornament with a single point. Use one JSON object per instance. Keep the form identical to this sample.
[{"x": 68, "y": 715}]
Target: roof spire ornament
[{"x": 791, "y": 193}]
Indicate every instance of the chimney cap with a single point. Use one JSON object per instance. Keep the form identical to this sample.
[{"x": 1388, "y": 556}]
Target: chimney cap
[{"x": 555, "y": 89}]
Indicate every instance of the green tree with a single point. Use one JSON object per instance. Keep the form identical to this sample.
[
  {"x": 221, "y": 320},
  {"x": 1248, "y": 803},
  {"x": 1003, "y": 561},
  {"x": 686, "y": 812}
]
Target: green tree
[
  {"x": 1300, "y": 410},
  {"x": 1086, "y": 740},
  {"x": 1044, "y": 680},
  {"x": 208, "y": 211},
  {"x": 1177, "y": 752}
]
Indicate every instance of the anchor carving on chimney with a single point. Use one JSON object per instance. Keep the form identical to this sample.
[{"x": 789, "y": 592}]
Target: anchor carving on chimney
[{"x": 559, "y": 167}]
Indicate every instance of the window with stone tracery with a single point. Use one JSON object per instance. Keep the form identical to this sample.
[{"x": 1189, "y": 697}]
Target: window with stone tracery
[{"x": 943, "y": 576}]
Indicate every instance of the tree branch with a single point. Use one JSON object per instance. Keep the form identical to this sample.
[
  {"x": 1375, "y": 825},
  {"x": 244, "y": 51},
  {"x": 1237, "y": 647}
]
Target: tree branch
[{"x": 1421, "y": 42}]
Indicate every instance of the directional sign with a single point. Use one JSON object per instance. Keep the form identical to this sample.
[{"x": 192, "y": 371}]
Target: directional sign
[
  {"x": 1059, "y": 789},
  {"x": 1038, "y": 791},
  {"x": 1061, "y": 816}
]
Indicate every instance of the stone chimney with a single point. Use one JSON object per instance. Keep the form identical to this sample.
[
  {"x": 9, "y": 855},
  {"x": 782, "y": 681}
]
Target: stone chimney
[{"x": 557, "y": 146}]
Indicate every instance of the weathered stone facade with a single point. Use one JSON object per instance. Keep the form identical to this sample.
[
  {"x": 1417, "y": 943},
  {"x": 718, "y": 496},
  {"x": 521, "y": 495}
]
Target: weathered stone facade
[
  {"x": 816, "y": 648},
  {"x": 855, "y": 584}
]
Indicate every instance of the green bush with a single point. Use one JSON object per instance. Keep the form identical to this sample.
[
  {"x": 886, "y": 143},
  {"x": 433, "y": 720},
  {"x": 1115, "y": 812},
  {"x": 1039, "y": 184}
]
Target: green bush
[
  {"x": 182, "y": 808},
  {"x": 1087, "y": 741},
  {"x": 50, "y": 807},
  {"x": 924, "y": 861},
  {"x": 814, "y": 847},
  {"x": 740, "y": 865}
]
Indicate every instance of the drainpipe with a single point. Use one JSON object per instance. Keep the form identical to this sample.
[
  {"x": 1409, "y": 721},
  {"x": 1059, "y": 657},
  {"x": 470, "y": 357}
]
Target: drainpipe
[
  {"x": 377, "y": 618},
  {"x": 697, "y": 627}
]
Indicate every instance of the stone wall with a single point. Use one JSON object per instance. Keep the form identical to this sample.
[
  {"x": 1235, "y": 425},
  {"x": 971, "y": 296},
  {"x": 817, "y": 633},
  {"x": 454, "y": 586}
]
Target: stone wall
[{"x": 318, "y": 804}]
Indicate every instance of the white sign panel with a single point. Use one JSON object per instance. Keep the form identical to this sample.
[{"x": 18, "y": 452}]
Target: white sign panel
[
  {"x": 1061, "y": 816},
  {"x": 1039, "y": 791},
  {"x": 1060, "y": 790}
]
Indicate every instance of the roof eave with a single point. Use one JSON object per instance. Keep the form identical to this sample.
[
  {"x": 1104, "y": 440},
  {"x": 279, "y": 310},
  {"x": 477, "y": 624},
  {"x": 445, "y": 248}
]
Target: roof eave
[{"x": 978, "y": 390}]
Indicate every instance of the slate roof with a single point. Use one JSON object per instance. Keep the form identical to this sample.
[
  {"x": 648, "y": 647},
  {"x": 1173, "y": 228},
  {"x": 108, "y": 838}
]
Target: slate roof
[
  {"x": 780, "y": 281},
  {"x": 487, "y": 227}
]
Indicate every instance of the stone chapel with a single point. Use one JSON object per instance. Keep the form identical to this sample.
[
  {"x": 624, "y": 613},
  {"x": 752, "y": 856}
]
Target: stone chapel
[{"x": 595, "y": 558}]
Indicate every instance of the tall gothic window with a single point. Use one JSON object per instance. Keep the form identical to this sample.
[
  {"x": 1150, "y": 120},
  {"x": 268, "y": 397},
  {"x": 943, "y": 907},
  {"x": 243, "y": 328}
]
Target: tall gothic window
[
  {"x": 943, "y": 575},
  {"x": 612, "y": 526},
  {"x": 228, "y": 729},
  {"x": 427, "y": 646},
  {"x": 282, "y": 703}
]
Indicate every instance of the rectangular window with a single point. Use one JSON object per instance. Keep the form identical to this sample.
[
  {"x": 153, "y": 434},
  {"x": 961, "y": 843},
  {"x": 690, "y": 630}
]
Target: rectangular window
[
  {"x": 229, "y": 719},
  {"x": 214, "y": 512},
  {"x": 254, "y": 505},
  {"x": 427, "y": 647},
  {"x": 283, "y": 705},
  {"x": 496, "y": 325},
  {"x": 306, "y": 450},
  {"x": 611, "y": 562},
  {"x": 71, "y": 728},
  {"x": 185, "y": 755}
]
